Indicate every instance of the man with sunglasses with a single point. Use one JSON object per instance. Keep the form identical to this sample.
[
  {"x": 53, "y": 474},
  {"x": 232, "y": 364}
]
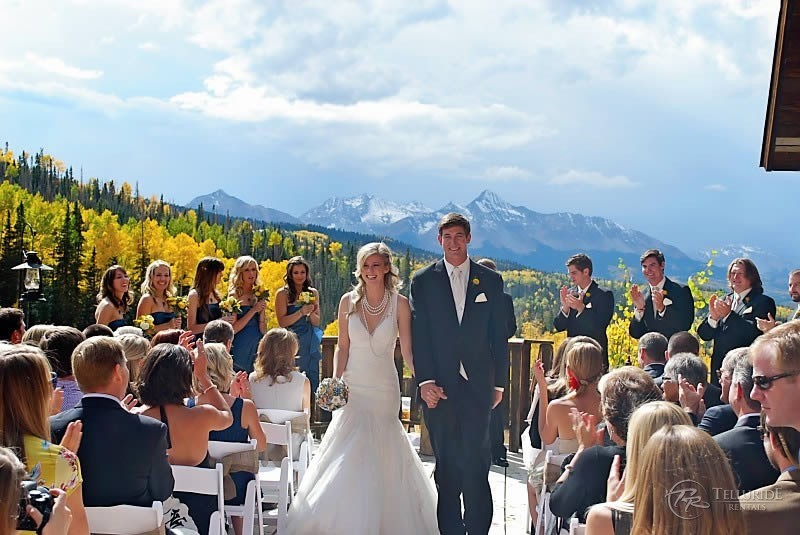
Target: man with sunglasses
[{"x": 776, "y": 367}]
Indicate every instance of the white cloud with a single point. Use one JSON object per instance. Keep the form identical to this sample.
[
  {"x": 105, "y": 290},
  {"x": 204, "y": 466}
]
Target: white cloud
[
  {"x": 149, "y": 46},
  {"x": 58, "y": 67},
  {"x": 506, "y": 172},
  {"x": 592, "y": 178},
  {"x": 715, "y": 187}
]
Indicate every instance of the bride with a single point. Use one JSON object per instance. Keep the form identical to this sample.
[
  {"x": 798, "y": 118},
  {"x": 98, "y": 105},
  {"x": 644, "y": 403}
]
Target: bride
[{"x": 366, "y": 477}]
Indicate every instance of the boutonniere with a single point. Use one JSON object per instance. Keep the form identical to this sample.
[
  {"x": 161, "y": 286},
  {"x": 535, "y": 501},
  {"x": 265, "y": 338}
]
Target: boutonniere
[
  {"x": 588, "y": 294},
  {"x": 663, "y": 292},
  {"x": 476, "y": 281},
  {"x": 747, "y": 299}
]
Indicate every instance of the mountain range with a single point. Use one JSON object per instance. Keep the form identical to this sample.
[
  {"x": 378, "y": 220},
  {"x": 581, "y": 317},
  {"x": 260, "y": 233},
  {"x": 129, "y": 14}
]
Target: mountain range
[{"x": 500, "y": 229}]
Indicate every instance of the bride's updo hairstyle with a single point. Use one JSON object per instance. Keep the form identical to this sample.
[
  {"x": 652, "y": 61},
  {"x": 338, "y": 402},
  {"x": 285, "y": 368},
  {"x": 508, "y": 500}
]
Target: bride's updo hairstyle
[
  {"x": 584, "y": 366},
  {"x": 392, "y": 278}
]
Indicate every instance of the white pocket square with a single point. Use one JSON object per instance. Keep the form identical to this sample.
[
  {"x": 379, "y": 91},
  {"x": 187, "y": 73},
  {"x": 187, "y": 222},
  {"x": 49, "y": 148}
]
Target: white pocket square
[
  {"x": 588, "y": 305},
  {"x": 747, "y": 310},
  {"x": 481, "y": 298},
  {"x": 667, "y": 301}
]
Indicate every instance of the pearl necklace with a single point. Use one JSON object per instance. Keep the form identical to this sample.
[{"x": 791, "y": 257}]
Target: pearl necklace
[{"x": 375, "y": 310}]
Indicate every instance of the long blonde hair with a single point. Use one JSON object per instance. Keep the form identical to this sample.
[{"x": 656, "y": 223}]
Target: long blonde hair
[
  {"x": 25, "y": 392},
  {"x": 147, "y": 286},
  {"x": 684, "y": 458},
  {"x": 235, "y": 282},
  {"x": 646, "y": 420},
  {"x": 391, "y": 279},
  {"x": 12, "y": 472},
  {"x": 220, "y": 367}
]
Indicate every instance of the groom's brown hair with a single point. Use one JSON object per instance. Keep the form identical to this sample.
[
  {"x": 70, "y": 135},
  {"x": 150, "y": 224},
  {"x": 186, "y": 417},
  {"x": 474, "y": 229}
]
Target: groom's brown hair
[{"x": 454, "y": 220}]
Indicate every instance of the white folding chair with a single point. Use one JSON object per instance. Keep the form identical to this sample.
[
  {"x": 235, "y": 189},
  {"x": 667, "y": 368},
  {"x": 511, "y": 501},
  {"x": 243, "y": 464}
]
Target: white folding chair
[
  {"x": 277, "y": 481},
  {"x": 203, "y": 481},
  {"x": 125, "y": 519},
  {"x": 303, "y": 459},
  {"x": 252, "y": 497},
  {"x": 576, "y": 528},
  {"x": 546, "y": 518}
]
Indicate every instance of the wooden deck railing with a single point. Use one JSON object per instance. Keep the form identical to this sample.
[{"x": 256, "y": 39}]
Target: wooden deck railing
[{"x": 516, "y": 402}]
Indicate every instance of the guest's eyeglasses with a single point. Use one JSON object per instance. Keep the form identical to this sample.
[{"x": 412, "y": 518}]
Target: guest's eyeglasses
[
  {"x": 666, "y": 378},
  {"x": 54, "y": 379},
  {"x": 764, "y": 382}
]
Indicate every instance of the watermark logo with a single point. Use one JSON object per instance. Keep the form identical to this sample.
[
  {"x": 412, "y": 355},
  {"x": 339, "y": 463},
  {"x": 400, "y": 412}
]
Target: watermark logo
[{"x": 685, "y": 499}]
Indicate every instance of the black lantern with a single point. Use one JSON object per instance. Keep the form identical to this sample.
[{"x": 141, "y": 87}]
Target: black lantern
[{"x": 31, "y": 271}]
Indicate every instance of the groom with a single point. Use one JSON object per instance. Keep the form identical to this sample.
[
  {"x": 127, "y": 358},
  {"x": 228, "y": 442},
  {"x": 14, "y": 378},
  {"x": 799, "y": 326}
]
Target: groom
[{"x": 461, "y": 365}]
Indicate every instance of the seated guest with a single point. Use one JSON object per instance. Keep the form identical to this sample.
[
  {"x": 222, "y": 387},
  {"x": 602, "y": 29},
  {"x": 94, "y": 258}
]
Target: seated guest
[
  {"x": 12, "y": 325},
  {"x": 743, "y": 444},
  {"x": 682, "y": 459},
  {"x": 652, "y": 354},
  {"x": 35, "y": 334},
  {"x": 25, "y": 392},
  {"x": 219, "y": 332},
  {"x": 245, "y": 417},
  {"x": 693, "y": 370},
  {"x": 97, "y": 329},
  {"x": 136, "y": 348},
  {"x": 123, "y": 455},
  {"x": 721, "y": 418},
  {"x": 167, "y": 336},
  {"x": 583, "y": 482},
  {"x": 682, "y": 342},
  {"x": 165, "y": 380},
  {"x": 776, "y": 507},
  {"x": 615, "y": 516},
  {"x": 58, "y": 344}
]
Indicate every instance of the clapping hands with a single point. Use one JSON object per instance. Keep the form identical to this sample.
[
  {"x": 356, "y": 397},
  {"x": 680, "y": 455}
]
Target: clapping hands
[
  {"x": 637, "y": 297},
  {"x": 691, "y": 398},
  {"x": 718, "y": 307},
  {"x": 585, "y": 427},
  {"x": 240, "y": 387},
  {"x": 766, "y": 325}
]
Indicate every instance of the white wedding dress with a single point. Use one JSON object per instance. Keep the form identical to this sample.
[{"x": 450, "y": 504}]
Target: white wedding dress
[{"x": 366, "y": 478}]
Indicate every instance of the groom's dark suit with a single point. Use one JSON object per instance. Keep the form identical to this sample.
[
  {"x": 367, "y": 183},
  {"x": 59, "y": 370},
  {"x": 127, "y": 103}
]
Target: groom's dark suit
[{"x": 459, "y": 424}]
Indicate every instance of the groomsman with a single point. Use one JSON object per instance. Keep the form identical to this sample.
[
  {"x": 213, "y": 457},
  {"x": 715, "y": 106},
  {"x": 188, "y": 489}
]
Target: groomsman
[
  {"x": 731, "y": 321},
  {"x": 664, "y": 306},
  {"x": 765, "y": 325},
  {"x": 586, "y": 308},
  {"x": 461, "y": 366},
  {"x": 497, "y": 434}
]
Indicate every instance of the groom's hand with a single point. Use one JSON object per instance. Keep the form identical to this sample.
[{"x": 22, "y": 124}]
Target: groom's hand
[
  {"x": 498, "y": 397},
  {"x": 431, "y": 393}
]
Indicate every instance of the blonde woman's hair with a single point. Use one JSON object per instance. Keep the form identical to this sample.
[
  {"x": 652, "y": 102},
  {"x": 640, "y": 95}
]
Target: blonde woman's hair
[
  {"x": 235, "y": 282},
  {"x": 148, "y": 288},
  {"x": 275, "y": 357},
  {"x": 220, "y": 367},
  {"x": 645, "y": 421},
  {"x": 25, "y": 392},
  {"x": 35, "y": 334},
  {"x": 684, "y": 458},
  {"x": 585, "y": 361},
  {"x": 12, "y": 472},
  {"x": 391, "y": 279}
]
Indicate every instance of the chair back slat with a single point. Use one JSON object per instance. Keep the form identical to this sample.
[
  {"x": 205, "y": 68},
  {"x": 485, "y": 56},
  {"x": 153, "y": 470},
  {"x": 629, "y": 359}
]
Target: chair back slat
[
  {"x": 125, "y": 519},
  {"x": 218, "y": 449},
  {"x": 280, "y": 434}
]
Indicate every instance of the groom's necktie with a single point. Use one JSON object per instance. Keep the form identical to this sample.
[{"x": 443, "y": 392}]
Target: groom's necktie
[{"x": 459, "y": 288}]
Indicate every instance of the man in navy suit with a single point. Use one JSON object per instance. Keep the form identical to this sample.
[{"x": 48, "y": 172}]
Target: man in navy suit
[
  {"x": 743, "y": 444},
  {"x": 653, "y": 355},
  {"x": 731, "y": 322},
  {"x": 722, "y": 418},
  {"x": 461, "y": 364},
  {"x": 123, "y": 456},
  {"x": 664, "y": 306},
  {"x": 586, "y": 309}
]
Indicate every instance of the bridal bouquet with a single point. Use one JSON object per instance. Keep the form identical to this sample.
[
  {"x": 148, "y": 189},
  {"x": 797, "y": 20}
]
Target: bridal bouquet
[
  {"x": 230, "y": 305},
  {"x": 179, "y": 304},
  {"x": 306, "y": 298},
  {"x": 332, "y": 394},
  {"x": 145, "y": 323}
]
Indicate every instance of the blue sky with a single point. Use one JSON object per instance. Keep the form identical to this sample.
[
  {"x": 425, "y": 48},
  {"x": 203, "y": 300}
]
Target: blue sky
[{"x": 648, "y": 113}]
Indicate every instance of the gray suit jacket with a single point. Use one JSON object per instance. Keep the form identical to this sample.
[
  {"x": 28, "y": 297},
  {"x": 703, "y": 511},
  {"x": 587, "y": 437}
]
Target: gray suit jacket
[{"x": 774, "y": 508}]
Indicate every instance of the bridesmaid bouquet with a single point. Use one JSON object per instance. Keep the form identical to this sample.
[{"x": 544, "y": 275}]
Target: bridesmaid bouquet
[
  {"x": 179, "y": 304},
  {"x": 230, "y": 305},
  {"x": 306, "y": 298},
  {"x": 332, "y": 394},
  {"x": 145, "y": 323},
  {"x": 260, "y": 292}
]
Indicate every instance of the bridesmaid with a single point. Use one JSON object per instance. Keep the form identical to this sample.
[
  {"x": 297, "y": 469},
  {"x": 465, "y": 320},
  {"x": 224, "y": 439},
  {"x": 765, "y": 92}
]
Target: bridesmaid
[
  {"x": 203, "y": 297},
  {"x": 299, "y": 318},
  {"x": 114, "y": 298},
  {"x": 250, "y": 324},
  {"x": 156, "y": 288}
]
